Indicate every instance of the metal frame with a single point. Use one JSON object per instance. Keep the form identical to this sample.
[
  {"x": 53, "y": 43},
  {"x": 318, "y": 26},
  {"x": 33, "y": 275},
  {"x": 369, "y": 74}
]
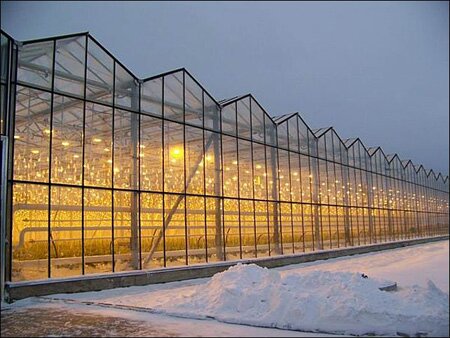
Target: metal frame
[{"x": 427, "y": 212}]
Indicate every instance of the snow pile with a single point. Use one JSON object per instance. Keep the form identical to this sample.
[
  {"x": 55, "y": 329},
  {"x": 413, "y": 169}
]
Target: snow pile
[{"x": 324, "y": 301}]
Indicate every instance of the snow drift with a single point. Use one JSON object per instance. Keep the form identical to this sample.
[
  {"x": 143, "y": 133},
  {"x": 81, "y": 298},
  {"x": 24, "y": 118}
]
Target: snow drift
[{"x": 318, "y": 301}]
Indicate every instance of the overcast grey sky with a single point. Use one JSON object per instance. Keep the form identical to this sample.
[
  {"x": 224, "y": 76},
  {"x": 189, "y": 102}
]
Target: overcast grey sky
[{"x": 377, "y": 70}]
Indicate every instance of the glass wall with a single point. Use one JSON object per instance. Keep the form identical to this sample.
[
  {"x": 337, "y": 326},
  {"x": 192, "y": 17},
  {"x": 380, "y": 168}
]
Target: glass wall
[{"x": 112, "y": 173}]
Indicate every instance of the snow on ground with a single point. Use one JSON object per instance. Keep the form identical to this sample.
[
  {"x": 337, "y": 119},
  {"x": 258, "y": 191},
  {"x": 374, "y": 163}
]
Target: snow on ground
[
  {"x": 62, "y": 319},
  {"x": 324, "y": 296},
  {"x": 342, "y": 302},
  {"x": 407, "y": 266}
]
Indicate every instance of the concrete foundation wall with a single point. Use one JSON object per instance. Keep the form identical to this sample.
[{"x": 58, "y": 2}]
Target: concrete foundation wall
[{"x": 20, "y": 290}]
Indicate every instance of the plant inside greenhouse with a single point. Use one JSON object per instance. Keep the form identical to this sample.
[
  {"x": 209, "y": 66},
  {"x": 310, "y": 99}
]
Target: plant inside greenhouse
[{"x": 108, "y": 172}]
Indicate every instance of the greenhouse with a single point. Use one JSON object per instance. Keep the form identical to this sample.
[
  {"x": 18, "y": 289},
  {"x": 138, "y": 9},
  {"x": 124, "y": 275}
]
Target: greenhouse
[{"x": 107, "y": 172}]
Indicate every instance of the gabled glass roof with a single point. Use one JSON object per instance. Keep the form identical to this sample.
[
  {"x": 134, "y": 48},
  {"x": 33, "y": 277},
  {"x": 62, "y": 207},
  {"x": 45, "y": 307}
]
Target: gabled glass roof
[{"x": 70, "y": 55}]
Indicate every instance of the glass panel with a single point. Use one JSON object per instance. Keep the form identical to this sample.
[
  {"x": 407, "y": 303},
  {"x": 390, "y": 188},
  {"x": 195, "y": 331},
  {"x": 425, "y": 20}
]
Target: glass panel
[
  {"x": 173, "y": 96},
  {"x": 295, "y": 177},
  {"x": 272, "y": 173},
  {"x": 298, "y": 227},
  {"x": 97, "y": 231},
  {"x": 175, "y": 230},
  {"x": 173, "y": 157},
  {"x": 35, "y": 64},
  {"x": 126, "y": 89},
  {"x": 293, "y": 134},
  {"x": 283, "y": 135},
  {"x": 262, "y": 230},
  {"x": 323, "y": 188},
  {"x": 306, "y": 178},
  {"x": 32, "y": 135},
  {"x": 151, "y": 97},
  {"x": 333, "y": 149},
  {"x": 67, "y": 140},
  {"x": 213, "y": 167},
  {"x": 341, "y": 225},
  {"x": 126, "y": 231},
  {"x": 323, "y": 232},
  {"x": 4, "y": 69},
  {"x": 257, "y": 115},
  {"x": 100, "y": 69},
  {"x": 248, "y": 233},
  {"x": 308, "y": 224},
  {"x": 215, "y": 235},
  {"x": 151, "y": 152},
  {"x": 4, "y": 57},
  {"x": 245, "y": 169},
  {"x": 195, "y": 211},
  {"x": 243, "y": 117},
  {"x": 230, "y": 163},
  {"x": 3, "y": 94},
  {"x": 339, "y": 155},
  {"x": 229, "y": 119},
  {"x": 321, "y": 146},
  {"x": 193, "y": 102},
  {"x": 312, "y": 144},
  {"x": 195, "y": 161},
  {"x": 231, "y": 229},
  {"x": 30, "y": 232},
  {"x": 69, "y": 65},
  {"x": 152, "y": 223},
  {"x": 271, "y": 131},
  {"x": 303, "y": 139},
  {"x": 285, "y": 186},
  {"x": 212, "y": 113},
  {"x": 334, "y": 183},
  {"x": 287, "y": 229},
  {"x": 98, "y": 145},
  {"x": 126, "y": 140},
  {"x": 274, "y": 228},
  {"x": 66, "y": 232},
  {"x": 260, "y": 172}
]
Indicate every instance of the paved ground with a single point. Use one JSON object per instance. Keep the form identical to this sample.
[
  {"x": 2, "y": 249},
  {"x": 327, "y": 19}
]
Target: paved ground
[
  {"x": 31, "y": 322},
  {"x": 38, "y": 317}
]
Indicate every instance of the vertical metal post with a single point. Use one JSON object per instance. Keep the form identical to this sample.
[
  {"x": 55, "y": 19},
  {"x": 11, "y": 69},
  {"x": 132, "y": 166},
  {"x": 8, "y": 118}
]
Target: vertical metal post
[
  {"x": 217, "y": 191},
  {"x": 347, "y": 226},
  {"x": 372, "y": 238},
  {"x": 327, "y": 182},
  {"x": 314, "y": 173},
  {"x": 134, "y": 241},
  {"x": 49, "y": 201},
  {"x": 83, "y": 157},
  {"x": 239, "y": 184},
  {"x": 113, "y": 262},
  {"x": 3, "y": 180},
  {"x": 275, "y": 187},
  {"x": 10, "y": 163}
]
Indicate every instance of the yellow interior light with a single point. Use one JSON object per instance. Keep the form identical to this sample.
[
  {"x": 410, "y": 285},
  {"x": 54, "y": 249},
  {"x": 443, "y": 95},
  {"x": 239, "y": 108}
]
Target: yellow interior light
[{"x": 176, "y": 152}]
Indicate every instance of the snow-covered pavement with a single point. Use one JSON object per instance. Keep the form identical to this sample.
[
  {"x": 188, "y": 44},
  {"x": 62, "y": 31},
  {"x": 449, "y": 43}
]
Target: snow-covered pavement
[{"x": 323, "y": 296}]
